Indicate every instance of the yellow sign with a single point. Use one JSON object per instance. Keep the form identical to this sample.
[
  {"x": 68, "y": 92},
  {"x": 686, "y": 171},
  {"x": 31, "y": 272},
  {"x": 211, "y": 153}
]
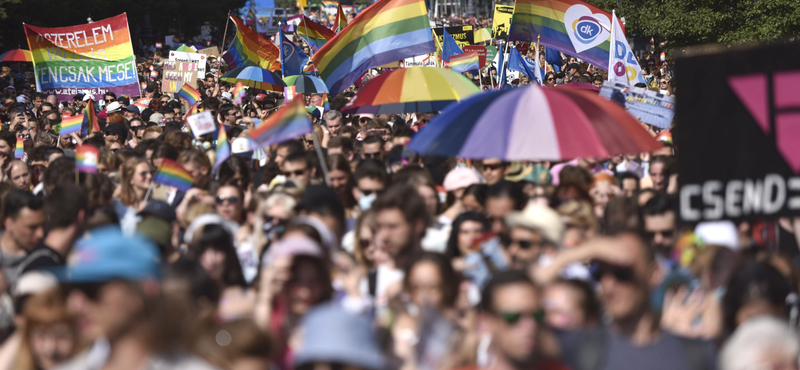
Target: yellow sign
[{"x": 502, "y": 21}]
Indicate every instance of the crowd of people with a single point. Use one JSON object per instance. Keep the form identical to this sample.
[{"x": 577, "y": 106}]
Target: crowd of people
[{"x": 342, "y": 250}]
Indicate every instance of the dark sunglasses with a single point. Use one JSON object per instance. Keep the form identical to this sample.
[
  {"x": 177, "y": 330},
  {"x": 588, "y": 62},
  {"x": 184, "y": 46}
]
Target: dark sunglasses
[
  {"x": 375, "y": 155},
  {"x": 512, "y": 318},
  {"x": 524, "y": 244},
  {"x": 108, "y": 100},
  {"x": 492, "y": 166},
  {"x": 231, "y": 200},
  {"x": 551, "y": 79},
  {"x": 295, "y": 173},
  {"x": 144, "y": 174},
  {"x": 369, "y": 192},
  {"x": 650, "y": 235},
  {"x": 275, "y": 220},
  {"x": 90, "y": 290},
  {"x": 620, "y": 273},
  {"x": 364, "y": 243}
]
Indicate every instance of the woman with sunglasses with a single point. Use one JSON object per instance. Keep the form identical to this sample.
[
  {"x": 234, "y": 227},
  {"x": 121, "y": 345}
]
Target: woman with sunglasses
[
  {"x": 137, "y": 176},
  {"x": 550, "y": 79}
]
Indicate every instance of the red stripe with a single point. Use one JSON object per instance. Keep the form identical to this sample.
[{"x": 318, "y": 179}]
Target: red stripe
[{"x": 576, "y": 135}]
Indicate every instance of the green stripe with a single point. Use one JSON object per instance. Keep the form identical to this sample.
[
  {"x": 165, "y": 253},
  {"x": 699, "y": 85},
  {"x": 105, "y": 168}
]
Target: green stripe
[{"x": 378, "y": 33}]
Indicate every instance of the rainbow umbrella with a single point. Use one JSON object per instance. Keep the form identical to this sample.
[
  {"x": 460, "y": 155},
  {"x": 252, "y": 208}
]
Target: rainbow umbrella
[
  {"x": 409, "y": 90},
  {"x": 533, "y": 123},
  {"x": 16, "y": 55},
  {"x": 306, "y": 84},
  {"x": 255, "y": 77}
]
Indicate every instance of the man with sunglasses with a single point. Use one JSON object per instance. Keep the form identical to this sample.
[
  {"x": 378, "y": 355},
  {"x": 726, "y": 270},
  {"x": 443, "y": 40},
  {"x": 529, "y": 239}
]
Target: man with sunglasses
[
  {"x": 297, "y": 167},
  {"x": 511, "y": 312},
  {"x": 493, "y": 170},
  {"x": 372, "y": 148},
  {"x": 535, "y": 231},
  {"x": 626, "y": 271},
  {"x": 658, "y": 219}
]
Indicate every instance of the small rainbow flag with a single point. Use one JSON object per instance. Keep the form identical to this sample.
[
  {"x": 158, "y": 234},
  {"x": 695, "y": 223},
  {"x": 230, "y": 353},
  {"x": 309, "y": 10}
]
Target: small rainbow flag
[
  {"x": 239, "y": 93},
  {"x": 289, "y": 92},
  {"x": 176, "y": 39},
  {"x": 341, "y": 19},
  {"x": 287, "y": 123},
  {"x": 189, "y": 94},
  {"x": 223, "y": 147},
  {"x": 172, "y": 174},
  {"x": 86, "y": 157},
  {"x": 330, "y": 3},
  {"x": 19, "y": 151},
  {"x": 71, "y": 125},
  {"x": 313, "y": 33},
  {"x": 90, "y": 123},
  {"x": 153, "y": 74},
  {"x": 325, "y": 103},
  {"x": 250, "y": 49},
  {"x": 159, "y": 45},
  {"x": 464, "y": 62}
]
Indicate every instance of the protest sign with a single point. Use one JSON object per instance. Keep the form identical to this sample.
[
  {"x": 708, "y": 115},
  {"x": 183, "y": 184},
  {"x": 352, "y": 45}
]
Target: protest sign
[
  {"x": 522, "y": 48},
  {"x": 502, "y": 21},
  {"x": 647, "y": 106},
  {"x": 201, "y": 123},
  {"x": 93, "y": 58},
  {"x": 210, "y": 51},
  {"x": 737, "y": 129},
  {"x": 491, "y": 53},
  {"x": 175, "y": 74},
  {"x": 420, "y": 61},
  {"x": 463, "y": 35},
  {"x": 481, "y": 50},
  {"x": 182, "y": 56}
]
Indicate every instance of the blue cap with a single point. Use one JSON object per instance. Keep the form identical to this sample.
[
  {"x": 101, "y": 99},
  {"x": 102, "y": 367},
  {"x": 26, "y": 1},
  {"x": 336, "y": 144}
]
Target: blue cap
[{"x": 106, "y": 254}]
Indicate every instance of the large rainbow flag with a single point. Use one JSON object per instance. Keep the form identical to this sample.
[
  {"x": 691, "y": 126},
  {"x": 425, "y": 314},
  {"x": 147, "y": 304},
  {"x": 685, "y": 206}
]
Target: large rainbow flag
[
  {"x": 574, "y": 27},
  {"x": 250, "y": 49},
  {"x": 387, "y": 31},
  {"x": 314, "y": 33},
  {"x": 289, "y": 122},
  {"x": 90, "y": 57}
]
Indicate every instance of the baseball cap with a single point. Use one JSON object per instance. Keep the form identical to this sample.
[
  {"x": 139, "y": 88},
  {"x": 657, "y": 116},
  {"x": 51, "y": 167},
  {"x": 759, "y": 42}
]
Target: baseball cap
[
  {"x": 78, "y": 96},
  {"x": 314, "y": 112},
  {"x": 460, "y": 178},
  {"x": 241, "y": 147},
  {"x": 261, "y": 97},
  {"x": 116, "y": 128},
  {"x": 156, "y": 118},
  {"x": 113, "y": 107},
  {"x": 88, "y": 97},
  {"x": 132, "y": 108},
  {"x": 159, "y": 209},
  {"x": 106, "y": 254}
]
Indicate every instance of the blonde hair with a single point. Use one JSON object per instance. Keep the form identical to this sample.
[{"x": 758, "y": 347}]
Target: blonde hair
[{"x": 127, "y": 195}]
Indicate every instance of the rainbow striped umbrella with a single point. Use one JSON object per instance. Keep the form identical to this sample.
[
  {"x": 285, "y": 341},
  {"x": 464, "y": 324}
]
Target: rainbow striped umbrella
[
  {"x": 409, "y": 90},
  {"x": 16, "y": 55},
  {"x": 255, "y": 77},
  {"x": 306, "y": 84},
  {"x": 534, "y": 123}
]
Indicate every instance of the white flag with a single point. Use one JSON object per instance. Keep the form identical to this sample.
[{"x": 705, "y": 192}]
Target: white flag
[{"x": 622, "y": 64}]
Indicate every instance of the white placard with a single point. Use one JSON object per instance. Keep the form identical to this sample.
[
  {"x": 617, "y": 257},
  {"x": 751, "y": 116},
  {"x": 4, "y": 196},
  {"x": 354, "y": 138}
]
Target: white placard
[
  {"x": 200, "y": 59},
  {"x": 201, "y": 123}
]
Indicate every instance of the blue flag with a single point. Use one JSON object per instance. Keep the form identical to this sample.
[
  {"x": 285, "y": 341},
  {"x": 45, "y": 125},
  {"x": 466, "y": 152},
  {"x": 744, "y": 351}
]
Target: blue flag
[
  {"x": 293, "y": 59},
  {"x": 449, "y": 46},
  {"x": 553, "y": 57},
  {"x": 501, "y": 65},
  {"x": 516, "y": 62}
]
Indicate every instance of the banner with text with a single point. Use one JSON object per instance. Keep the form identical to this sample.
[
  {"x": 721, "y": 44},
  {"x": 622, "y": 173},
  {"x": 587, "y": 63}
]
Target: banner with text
[
  {"x": 175, "y": 74},
  {"x": 502, "y": 21},
  {"x": 93, "y": 58},
  {"x": 463, "y": 35},
  {"x": 200, "y": 59}
]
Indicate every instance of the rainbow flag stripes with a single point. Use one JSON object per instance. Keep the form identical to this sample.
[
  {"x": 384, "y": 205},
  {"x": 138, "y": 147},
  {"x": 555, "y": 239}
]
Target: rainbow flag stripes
[
  {"x": 287, "y": 123},
  {"x": 86, "y": 157},
  {"x": 223, "y": 147},
  {"x": 464, "y": 62},
  {"x": 326, "y": 105},
  {"x": 574, "y": 27},
  {"x": 90, "y": 123},
  {"x": 172, "y": 174},
  {"x": 189, "y": 94},
  {"x": 341, "y": 19},
  {"x": 71, "y": 125},
  {"x": 159, "y": 45},
  {"x": 330, "y": 3},
  {"x": 387, "y": 31},
  {"x": 250, "y": 49},
  {"x": 313, "y": 33},
  {"x": 239, "y": 93},
  {"x": 19, "y": 150}
]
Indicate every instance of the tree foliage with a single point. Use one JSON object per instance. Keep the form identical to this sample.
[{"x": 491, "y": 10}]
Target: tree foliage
[{"x": 693, "y": 22}]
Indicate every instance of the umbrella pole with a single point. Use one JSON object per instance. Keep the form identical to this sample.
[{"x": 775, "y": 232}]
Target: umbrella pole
[{"x": 322, "y": 163}]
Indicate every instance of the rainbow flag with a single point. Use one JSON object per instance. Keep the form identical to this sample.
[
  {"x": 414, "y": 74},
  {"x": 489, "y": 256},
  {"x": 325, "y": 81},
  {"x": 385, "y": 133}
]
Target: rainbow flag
[
  {"x": 341, "y": 19},
  {"x": 326, "y": 105},
  {"x": 19, "y": 150},
  {"x": 170, "y": 173},
  {"x": 329, "y": 3},
  {"x": 223, "y": 147},
  {"x": 574, "y": 27},
  {"x": 250, "y": 19},
  {"x": 86, "y": 157},
  {"x": 313, "y": 33},
  {"x": 239, "y": 93},
  {"x": 287, "y": 123},
  {"x": 189, "y": 94},
  {"x": 90, "y": 124},
  {"x": 159, "y": 45},
  {"x": 176, "y": 39},
  {"x": 250, "y": 49},
  {"x": 464, "y": 62},
  {"x": 153, "y": 74},
  {"x": 387, "y": 31},
  {"x": 71, "y": 125}
]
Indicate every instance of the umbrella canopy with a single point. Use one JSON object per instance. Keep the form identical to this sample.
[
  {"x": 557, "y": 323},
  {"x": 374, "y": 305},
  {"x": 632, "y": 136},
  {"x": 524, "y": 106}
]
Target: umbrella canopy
[
  {"x": 306, "y": 84},
  {"x": 186, "y": 48},
  {"x": 409, "y": 90},
  {"x": 534, "y": 123},
  {"x": 580, "y": 85},
  {"x": 16, "y": 55},
  {"x": 255, "y": 77},
  {"x": 483, "y": 35}
]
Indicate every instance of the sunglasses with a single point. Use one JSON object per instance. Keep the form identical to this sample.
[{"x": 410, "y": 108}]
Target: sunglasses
[
  {"x": 369, "y": 192},
  {"x": 663, "y": 82},
  {"x": 492, "y": 167},
  {"x": 512, "y": 318},
  {"x": 551, "y": 79},
  {"x": 144, "y": 174},
  {"x": 375, "y": 155},
  {"x": 364, "y": 243},
  {"x": 524, "y": 244},
  {"x": 295, "y": 173},
  {"x": 650, "y": 235},
  {"x": 275, "y": 220},
  {"x": 90, "y": 290},
  {"x": 620, "y": 273},
  {"x": 231, "y": 200},
  {"x": 108, "y": 100}
]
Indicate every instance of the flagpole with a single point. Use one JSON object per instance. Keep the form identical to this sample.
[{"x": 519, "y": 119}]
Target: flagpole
[
  {"x": 226, "y": 32},
  {"x": 322, "y": 163},
  {"x": 147, "y": 195}
]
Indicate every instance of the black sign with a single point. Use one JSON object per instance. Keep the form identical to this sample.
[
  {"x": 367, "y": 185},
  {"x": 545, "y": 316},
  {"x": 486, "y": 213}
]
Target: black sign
[
  {"x": 463, "y": 35},
  {"x": 738, "y": 133}
]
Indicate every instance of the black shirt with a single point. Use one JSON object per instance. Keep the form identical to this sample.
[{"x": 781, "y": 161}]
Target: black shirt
[{"x": 41, "y": 258}]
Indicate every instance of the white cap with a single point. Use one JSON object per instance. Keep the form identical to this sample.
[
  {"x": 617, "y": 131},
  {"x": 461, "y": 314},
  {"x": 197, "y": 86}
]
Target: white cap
[
  {"x": 21, "y": 99},
  {"x": 721, "y": 233},
  {"x": 34, "y": 282},
  {"x": 87, "y": 97},
  {"x": 113, "y": 107},
  {"x": 241, "y": 145},
  {"x": 226, "y": 96}
]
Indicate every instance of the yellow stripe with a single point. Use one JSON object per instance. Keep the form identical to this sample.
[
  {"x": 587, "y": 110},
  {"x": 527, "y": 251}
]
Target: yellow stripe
[
  {"x": 395, "y": 15},
  {"x": 540, "y": 10},
  {"x": 113, "y": 53}
]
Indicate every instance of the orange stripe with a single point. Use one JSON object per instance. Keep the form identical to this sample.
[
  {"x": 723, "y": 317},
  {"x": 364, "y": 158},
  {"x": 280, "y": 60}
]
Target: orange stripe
[
  {"x": 391, "y": 89},
  {"x": 121, "y": 36}
]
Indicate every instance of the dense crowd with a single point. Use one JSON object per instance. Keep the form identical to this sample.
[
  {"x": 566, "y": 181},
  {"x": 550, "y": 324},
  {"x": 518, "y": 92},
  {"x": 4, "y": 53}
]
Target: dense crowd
[{"x": 394, "y": 260}]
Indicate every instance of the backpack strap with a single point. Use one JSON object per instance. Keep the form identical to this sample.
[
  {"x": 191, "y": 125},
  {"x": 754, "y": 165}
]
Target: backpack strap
[{"x": 591, "y": 354}]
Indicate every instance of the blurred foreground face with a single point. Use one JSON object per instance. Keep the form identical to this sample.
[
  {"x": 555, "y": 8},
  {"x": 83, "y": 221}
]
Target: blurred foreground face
[
  {"x": 624, "y": 289},
  {"x": 425, "y": 285},
  {"x": 51, "y": 344},
  {"x": 304, "y": 289},
  {"x": 108, "y": 310},
  {"x": 512, "y": 324},
  {"x": 394, "y": 232},
  {"x": 497, "y": 209},
  {"x": 562, "y": 307}
]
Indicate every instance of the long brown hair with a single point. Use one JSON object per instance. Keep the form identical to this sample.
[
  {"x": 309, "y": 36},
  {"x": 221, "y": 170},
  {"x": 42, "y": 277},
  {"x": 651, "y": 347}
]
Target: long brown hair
[{"x": 127, "y": 195}]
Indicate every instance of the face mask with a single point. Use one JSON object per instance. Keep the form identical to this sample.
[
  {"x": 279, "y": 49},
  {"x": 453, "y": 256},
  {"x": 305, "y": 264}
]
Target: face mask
[{"x": 366, "y": 201}]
